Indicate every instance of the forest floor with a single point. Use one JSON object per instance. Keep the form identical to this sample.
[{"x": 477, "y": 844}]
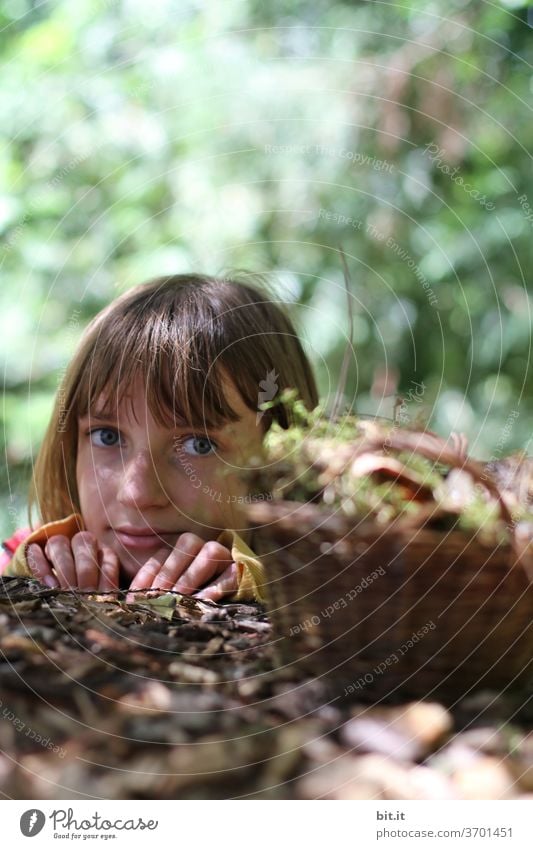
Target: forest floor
[{"x": 174, "y": 698}]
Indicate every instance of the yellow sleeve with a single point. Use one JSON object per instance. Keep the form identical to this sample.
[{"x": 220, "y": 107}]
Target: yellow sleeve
[
  {"x": 252, "y": 574},
  {"x": 18, "y": 566}
]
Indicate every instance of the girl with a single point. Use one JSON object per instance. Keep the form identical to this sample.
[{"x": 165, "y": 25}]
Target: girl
[{"x": 139, "y": 478}]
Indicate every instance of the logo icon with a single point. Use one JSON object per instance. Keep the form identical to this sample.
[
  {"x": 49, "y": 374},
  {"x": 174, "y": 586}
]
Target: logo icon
[
  {"x": 31, "y": 822},
  {"x": 268, "y": 388}
]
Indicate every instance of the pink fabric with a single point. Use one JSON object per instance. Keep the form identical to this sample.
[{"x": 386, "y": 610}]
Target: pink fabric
[{"x": 10, "y": 546}]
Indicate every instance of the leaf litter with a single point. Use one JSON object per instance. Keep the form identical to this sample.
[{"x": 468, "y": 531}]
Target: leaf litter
[{"x": 103, "y": 699}]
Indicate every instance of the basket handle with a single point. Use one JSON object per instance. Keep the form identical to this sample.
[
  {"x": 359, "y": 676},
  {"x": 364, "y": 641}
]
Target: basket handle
[{"x": 435, "y": 448}]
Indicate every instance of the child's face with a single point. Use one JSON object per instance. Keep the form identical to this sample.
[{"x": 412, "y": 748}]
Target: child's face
[{"x": 141, "y": 484}]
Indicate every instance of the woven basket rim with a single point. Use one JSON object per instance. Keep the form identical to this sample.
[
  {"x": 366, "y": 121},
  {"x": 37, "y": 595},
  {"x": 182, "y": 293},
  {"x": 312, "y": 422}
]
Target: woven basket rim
[
  {"x": 433, "y": 447},
  {"x": 282, "y": 514}
]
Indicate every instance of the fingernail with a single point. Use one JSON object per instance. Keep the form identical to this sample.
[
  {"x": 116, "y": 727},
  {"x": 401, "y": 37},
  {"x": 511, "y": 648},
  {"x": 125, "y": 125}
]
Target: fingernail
[{"x": 50, "y": 582}]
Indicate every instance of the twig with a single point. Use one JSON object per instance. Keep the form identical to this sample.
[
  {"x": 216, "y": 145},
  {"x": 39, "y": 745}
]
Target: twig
[{"x": 349, "y": 344}]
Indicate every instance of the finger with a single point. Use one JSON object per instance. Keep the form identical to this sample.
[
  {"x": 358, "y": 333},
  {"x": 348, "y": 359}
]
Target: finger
[
  {"x": 211, "y": 560},
  {"x": 227, "y": 582},
  {"x": 40, "y": 566},
  {"x": 146, "y": 574},
  {"x": 85, "y": 550},
  {"x": 59, "y": 552},
  {"x": 187, "y": 547},
  {"x": 109, "y": 570}
]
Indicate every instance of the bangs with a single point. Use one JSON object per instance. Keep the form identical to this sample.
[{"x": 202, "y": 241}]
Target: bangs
[{"x": 176, "y": 355}]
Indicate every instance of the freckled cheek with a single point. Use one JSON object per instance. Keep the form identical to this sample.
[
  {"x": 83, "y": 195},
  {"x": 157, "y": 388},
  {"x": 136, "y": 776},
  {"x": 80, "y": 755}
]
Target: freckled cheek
[
  {"x": 192, "y": 495},
  {"x": 233, "y": 484},
  {"x": 106, "y": 475},
  {"x": 219, "y": 499},
  {"x": 96, "y": 486},
  {"x": 103, "y": 482},
  {"x": 199, "y": 495}
]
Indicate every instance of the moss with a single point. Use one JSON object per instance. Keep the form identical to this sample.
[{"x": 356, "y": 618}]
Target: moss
[{"x": 311, "y": 462}]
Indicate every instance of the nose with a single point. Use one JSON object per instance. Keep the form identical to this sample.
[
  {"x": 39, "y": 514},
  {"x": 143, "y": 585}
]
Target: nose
[{"x": 140, "y": 485}]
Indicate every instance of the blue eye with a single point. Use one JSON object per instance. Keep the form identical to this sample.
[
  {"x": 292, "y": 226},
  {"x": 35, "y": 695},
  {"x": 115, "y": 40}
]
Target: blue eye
[
  {"x": 198, "y": 446},
  {"x": 107, "y": 437}
]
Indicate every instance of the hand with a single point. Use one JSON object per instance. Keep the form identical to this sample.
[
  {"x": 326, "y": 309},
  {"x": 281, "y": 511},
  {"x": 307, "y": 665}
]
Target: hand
[
  {"x": 77, "y": 563},
  {"x": 189, "y": 566}
]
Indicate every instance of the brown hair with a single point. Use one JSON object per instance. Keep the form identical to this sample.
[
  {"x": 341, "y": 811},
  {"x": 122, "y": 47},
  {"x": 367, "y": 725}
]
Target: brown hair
[{"x": 180, "y": 333}]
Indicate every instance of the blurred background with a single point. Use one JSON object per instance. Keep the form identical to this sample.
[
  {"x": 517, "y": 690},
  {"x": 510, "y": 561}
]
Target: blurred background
[{"x": 147, "y": 138}]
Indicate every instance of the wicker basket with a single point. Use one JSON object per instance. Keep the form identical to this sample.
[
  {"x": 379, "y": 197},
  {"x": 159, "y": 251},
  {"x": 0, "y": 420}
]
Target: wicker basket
[{"x": 402, "y": 610}]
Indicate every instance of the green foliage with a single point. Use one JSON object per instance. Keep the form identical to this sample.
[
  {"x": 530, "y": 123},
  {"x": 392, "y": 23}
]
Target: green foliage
[{"x": 141, "y": 139}]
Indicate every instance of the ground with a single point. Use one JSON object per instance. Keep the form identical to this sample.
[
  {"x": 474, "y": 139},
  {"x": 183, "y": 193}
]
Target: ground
[{"x": 173, "y": 698}]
